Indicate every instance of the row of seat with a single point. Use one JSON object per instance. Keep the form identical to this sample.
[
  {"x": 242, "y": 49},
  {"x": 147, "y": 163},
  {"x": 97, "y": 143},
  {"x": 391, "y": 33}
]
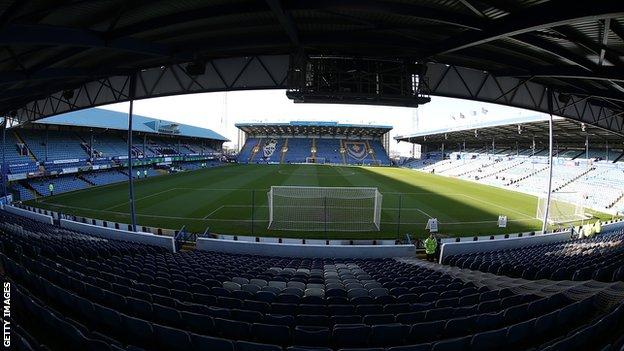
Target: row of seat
[{"x": 599, "y": 258}]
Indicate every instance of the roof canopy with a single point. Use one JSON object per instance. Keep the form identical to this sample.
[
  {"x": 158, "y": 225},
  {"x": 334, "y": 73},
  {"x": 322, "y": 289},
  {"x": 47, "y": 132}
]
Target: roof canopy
[
  {"x": 107, "y": 119},
  {"x": 313, "y": 128},
  {"x": 565, "y": 133},
  {"x": 66, "y": 55}
]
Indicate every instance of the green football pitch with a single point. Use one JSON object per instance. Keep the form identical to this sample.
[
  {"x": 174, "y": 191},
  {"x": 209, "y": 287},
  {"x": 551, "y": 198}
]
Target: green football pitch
[{"x": 233, "y": 200}]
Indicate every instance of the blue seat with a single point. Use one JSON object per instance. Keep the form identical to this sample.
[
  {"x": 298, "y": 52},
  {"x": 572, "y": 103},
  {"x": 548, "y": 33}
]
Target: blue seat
[
  {"x": 138, "y": 331},
  {"x": 139, "y": 308},
  {"x": 308, "y": 348},
  {"x": 351, "y": 335},
  {"x": 311, "y": 336},
  {"x": 171, "y": 339},
  {"x": 271, "y": 334},
  {"x": 166, "y": 315},
  {"x": 252, "y": 346},
  {"x": 388, "y": 334},
  {"x": 202, "y": 342},
  {"x": 197, "y": 323},
  {"x": 232, "y": 329},
  {"x": 378, "y": 319},
  {"x": 519, "y": 334},
  {"x": 418, "y": 347},
  {"x": 312, "y": 320},
  {"x": 515, "y": 314},
  {"x": 459, "y": 326},
  {"x": 488, "y": 341},
  {"x": 278, "y": 319},
  {"x": 452, "y": 344},
  {"x": 426, "y": 331},
  {"x": 352, "y": 319},
  {"x": 489, "y": 321}
]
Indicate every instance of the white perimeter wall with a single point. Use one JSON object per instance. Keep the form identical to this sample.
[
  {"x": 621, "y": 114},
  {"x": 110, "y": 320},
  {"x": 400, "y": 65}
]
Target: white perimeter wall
[
  {"x": 304, "y": 250},
  {"x": 28, "y": 214},
  {"x": 118, "y": 234}
]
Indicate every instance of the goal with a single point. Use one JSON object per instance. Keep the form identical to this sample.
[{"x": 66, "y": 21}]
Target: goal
[
  {"x": 304, "y": 208},
  {"x": 565, "y": 207},
  {"x": 318, "y": 160}
]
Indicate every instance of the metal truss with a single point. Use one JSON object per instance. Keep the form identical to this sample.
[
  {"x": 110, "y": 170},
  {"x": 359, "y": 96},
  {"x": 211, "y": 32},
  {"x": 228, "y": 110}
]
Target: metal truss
[
  {"x": 270, "y": 72},
  {"x": 241, "y": 73},
  {"x": 465, "y": 83}
]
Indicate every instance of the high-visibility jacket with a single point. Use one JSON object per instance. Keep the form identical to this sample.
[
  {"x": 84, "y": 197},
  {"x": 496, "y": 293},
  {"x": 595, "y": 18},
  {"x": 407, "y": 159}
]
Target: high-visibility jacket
[
  {"x": 430, "y": 246},
  {"x": 597, "y": 227},
  {"x": 588, "y": 230},
  {"x": 51, "y": 187}
]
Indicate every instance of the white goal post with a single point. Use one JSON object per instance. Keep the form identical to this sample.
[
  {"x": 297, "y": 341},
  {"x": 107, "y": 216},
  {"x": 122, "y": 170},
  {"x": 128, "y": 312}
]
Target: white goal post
[
  {"x": 309, "y": 208},
  {"x": 565, "y": 207}
]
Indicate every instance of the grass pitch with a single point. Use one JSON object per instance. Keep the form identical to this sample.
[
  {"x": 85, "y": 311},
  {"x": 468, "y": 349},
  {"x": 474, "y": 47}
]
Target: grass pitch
[{"x": 225, "y": 199}]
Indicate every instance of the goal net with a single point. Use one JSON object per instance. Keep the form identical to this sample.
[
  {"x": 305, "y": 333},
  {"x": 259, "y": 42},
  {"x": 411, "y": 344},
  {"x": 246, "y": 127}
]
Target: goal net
[
  {"x": 319, "y": 160},
  {"x": 565, "y": 207},
  {"x": 303, "y": 208}
]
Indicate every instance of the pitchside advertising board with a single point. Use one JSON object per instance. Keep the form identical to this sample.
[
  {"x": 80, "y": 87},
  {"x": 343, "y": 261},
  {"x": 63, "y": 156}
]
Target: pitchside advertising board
[
  {"x": 432, "y": 225},
  {"x": 502, "y": 221}
]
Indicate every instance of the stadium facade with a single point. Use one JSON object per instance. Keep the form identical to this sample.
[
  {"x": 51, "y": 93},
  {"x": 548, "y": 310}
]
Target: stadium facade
[
  {"x": 314, "y": 142},
  {"x": 88, "y": 148}
]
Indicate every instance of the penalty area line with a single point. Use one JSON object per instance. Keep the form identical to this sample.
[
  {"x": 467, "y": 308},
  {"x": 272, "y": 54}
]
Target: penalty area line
[{"x": 213, "y": 212}]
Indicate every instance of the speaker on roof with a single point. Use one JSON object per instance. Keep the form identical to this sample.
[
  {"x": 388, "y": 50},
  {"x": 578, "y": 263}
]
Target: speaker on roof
[
  {"x": 195, "y": 68},
  {"x": 68, "y": 94}
]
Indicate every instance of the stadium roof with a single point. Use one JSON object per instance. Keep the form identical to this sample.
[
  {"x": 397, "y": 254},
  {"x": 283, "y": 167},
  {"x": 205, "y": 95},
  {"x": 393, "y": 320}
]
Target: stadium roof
[
  {"x": 566, "y": 132},
  {"x": 107, "y": 119},
  {"x": 66, "y": 55},
  {"x": 313, "y": 128}
]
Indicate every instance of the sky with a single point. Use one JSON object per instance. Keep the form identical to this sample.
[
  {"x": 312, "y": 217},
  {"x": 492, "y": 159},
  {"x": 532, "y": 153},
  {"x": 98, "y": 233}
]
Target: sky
[{"x": 221, "y": 111}]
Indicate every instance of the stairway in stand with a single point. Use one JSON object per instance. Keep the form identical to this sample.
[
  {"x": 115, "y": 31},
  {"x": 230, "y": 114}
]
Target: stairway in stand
[
  {"x": 284, "y": 150},
  {"x": 20, "y": 140},
  {"x": 570, "y": 181},
  {"x": 342, "y": 154},
  {"x": 255, "y": 150},
  {"x": 371, "y": 152}
]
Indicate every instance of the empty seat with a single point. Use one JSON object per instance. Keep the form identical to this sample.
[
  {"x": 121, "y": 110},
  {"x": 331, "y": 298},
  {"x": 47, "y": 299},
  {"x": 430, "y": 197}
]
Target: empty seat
[
  {"x": 171, "y": 339},
  {"x": 271, "y": 334},
  {"x": 351, "y": 335}
]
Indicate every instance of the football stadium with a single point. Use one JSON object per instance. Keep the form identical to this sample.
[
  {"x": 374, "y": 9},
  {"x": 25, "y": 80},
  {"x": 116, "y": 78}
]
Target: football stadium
[{"x": 156, "y": 196}]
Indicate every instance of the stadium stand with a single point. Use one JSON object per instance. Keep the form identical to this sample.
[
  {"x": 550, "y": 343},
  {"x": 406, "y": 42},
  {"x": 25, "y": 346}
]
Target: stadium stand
[
  {"x": 78, "y": 292},
  {"x": 130, "y": 294},
  {"x": 78, "y": 150},
  {"x": 314, "y": 142},
  {"x": 581, "y": 171}
]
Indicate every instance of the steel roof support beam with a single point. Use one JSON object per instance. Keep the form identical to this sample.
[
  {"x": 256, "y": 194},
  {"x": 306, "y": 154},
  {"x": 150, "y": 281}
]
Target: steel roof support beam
[
  {"x": 546, "y": 15},
  {"x": 285, "y": 20},
  {"x": 602, "y": 73},
  {"x": 34, "y": 34}
]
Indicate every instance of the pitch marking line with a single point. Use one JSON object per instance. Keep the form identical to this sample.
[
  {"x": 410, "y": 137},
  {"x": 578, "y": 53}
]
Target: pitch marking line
[
  {"x": 140, "y": 198},
  {"x": 213, "y": 212}
]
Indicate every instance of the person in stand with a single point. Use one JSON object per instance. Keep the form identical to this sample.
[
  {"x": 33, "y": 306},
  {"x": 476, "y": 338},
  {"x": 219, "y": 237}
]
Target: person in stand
[
  {"x": 51, "y": 188},
  {"x": 431, "y": 244}
]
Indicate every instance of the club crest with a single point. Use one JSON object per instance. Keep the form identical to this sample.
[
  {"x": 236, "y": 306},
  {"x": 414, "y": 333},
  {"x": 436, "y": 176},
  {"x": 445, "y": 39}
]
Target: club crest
[
  {"x": 356, "y": 149},
  {"x": 269, "y": 148}
]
